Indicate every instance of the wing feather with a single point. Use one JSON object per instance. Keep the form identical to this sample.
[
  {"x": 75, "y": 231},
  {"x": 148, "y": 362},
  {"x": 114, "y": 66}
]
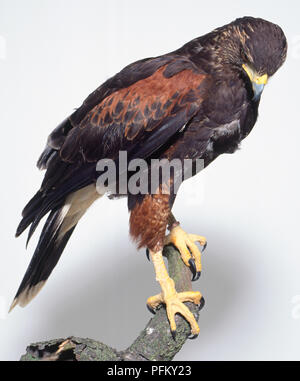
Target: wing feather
[{"x": 139, "y": 111}]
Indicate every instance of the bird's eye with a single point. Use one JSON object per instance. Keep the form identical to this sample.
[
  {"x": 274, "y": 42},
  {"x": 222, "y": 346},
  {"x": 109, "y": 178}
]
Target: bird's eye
[{"x": 244, "y": 56}]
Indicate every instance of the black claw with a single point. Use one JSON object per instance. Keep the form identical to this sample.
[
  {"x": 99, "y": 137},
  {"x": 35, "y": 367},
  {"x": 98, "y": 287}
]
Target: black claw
[
  {"x": 193, "y": 337},
  {"x": 173, "y": 333},
  {"x": 204, "y": 247},
  {"x": 202, "y": 303},
  {"x": 193, "y": 268},
  {"x": 152, "y": 310},
  {"x": 148, "y": 254},
  {"x": 195, "y": 278}
]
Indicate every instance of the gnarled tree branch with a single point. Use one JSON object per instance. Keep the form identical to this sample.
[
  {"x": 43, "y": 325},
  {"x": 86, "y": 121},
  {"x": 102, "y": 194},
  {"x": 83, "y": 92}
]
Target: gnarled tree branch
[{"x": 155, "y": 342}]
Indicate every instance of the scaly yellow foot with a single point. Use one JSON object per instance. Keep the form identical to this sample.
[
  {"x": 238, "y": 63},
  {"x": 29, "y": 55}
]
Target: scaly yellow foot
[
  {"x": 186, "y": 244},
  {"x": 172, "y": 299}
]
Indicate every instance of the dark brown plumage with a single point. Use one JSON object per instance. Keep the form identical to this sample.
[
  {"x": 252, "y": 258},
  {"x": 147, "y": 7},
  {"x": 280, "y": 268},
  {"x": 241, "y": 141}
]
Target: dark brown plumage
[{"x": 197, "y": 102}]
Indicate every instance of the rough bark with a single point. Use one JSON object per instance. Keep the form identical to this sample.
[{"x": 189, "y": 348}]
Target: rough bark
[{"x": 155, "y": 342}]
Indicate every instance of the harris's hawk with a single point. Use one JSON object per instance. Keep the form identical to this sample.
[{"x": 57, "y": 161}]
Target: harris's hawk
[{"x": 196, "y": 102}]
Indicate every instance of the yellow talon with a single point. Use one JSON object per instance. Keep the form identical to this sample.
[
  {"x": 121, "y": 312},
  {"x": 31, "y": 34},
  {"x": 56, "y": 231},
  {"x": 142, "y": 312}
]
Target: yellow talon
[
  {"x": 186, "y": 244},
  {"x": 172, "y": 299},
  {"x": 174, "y": 304}
]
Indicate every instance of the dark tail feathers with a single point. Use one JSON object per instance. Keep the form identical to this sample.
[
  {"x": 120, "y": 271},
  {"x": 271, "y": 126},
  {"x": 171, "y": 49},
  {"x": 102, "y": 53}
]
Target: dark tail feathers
[{"x": 45, "y": 258}]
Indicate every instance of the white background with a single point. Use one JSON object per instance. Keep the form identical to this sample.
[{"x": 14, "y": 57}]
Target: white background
[{"x": 52, "y": 55}]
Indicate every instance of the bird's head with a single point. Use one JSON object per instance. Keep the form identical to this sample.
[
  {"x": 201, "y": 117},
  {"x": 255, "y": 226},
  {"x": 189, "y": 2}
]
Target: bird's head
[{"x": 254, "y": 46}]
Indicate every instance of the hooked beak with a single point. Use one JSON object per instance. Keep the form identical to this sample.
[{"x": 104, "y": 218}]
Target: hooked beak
[
  {"x": 258, "y": 82},
  {"x": 257, "y": 90}
]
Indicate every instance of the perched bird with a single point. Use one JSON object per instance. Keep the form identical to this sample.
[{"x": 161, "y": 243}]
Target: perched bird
[{"x": 196, "y": 102}]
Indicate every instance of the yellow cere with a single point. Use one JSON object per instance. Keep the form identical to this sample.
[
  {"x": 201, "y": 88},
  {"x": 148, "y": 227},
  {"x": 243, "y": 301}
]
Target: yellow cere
[{"x": 259, "y": 80}]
